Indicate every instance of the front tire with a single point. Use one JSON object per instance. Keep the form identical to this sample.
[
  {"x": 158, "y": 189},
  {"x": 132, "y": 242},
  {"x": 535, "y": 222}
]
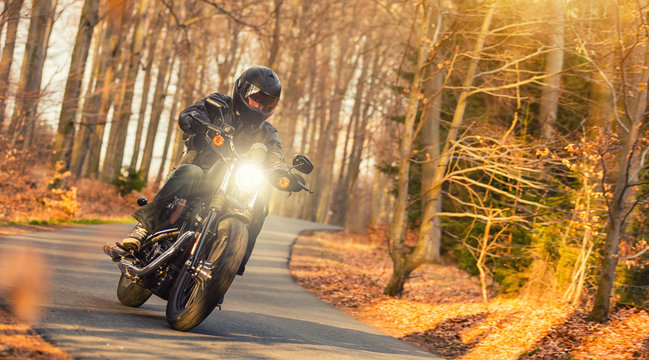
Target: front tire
[
  {"x": 130, "y": 293},
  {"x": 189, "y": 303}
]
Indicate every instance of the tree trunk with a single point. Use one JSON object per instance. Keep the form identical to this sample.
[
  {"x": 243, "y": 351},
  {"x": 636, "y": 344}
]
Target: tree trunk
[
  {"x": 119, "y": 128},
  {"x": 402, "y": 267},
  {"x": 171, "y": 125},
  {"x": 601, "y": 305},
  {"x": 157, "y": 106},
  {"x": 322, "y": 60},
  {"x": 430, "y": 232},
  {"x": 152, "y": 38},
  {"x": 344, "y": 72},
  {"x": 88, "y": 120},
  {"x": 309, "y": 140},
  {"x": 187, "y": 96},
  {"x": 275, "y": 44},
  {"x": 356, "y": 132},
  {"x": 28, "y": 94},
  {"x": 65, "y": 132},
  {"x": 105, "y": 89},
  {"x": 13, "y": 18},
  {"x": 404, "y": 264},
  {"x": 227, "y": 67},
  {"x": 554, "y": 64},
  {"x": 629, "y": 166}
]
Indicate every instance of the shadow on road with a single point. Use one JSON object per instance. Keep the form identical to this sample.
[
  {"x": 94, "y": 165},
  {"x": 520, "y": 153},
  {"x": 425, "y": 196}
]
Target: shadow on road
[{"x": 146, "y": 327}]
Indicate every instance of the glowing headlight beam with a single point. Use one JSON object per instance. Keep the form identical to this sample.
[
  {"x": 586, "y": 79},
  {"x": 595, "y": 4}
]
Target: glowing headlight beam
[{"x": 250, "y": 176}]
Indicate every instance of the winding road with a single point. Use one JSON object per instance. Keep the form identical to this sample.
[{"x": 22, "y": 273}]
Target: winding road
[{"x": 265, "y": 314}]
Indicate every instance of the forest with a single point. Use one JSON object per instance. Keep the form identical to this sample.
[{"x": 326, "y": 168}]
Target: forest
[{"x": 507, "y": 137}]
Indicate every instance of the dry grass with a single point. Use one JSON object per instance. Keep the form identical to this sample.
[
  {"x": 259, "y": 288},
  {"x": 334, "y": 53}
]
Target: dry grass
[{"x": 441, "y": 309}]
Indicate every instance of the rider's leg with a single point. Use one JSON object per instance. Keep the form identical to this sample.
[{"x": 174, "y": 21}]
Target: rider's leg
[{"x": 183, "y": 182}]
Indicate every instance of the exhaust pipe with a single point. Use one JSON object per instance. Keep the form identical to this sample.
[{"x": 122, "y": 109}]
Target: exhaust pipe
[{"x": 129, "y": 269}]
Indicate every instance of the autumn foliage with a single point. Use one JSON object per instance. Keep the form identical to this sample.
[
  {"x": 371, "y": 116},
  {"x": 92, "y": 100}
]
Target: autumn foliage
[{"x": 26, "y": 194}]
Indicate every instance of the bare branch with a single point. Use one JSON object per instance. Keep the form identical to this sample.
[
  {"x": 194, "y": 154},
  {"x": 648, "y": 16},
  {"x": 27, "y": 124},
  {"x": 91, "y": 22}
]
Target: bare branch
[
  {"x": 642, "y": 252},
  {"x": 501, "y": 219},
  {"x": 223, "y": 11}
]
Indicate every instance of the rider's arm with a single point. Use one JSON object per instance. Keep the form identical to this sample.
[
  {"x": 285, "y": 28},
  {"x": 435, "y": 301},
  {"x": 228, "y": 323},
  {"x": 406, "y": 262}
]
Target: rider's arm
[
  {"x": 275, "y": 156},
  {"x": 187, "y": 118}
]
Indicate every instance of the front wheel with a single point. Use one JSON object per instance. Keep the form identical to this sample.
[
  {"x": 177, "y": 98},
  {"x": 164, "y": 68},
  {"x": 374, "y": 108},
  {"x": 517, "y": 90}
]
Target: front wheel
[
  {"x": 193, "y": 298},
  {"x": 131, "y": 294}
]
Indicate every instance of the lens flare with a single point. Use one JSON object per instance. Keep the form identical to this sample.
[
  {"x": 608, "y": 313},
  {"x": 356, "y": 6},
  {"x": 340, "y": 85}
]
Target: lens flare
[{"x": 250, "y": 176}]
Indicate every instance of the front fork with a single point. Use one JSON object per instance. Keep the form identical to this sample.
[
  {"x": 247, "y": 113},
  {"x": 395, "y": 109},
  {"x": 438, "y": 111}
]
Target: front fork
[
  {"x": 208, "y": 229},
  {"x": 201, "y": 269}
]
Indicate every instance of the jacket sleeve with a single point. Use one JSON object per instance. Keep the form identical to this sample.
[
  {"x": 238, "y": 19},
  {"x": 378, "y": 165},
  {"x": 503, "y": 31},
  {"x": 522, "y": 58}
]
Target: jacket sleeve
[
  {"x": 186, "y": 119},
  {"x": 271, "y": 140}
]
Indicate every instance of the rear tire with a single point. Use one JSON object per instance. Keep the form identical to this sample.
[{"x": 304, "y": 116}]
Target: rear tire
[
  {"x": 130, "y": 293},
  {"x": 188, "y": 304}
]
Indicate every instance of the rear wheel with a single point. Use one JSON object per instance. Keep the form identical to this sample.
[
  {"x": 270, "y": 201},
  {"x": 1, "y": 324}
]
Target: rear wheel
[
  {"x": 130, "y": 293},
  {"x": 193, "y": 298}
]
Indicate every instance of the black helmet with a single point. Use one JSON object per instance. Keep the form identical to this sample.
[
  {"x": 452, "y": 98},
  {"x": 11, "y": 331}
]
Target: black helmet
[{"x": 256, "y": 94}]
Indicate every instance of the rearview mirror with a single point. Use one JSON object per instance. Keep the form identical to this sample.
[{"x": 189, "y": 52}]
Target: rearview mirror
[{"x": 302, "y": 164}]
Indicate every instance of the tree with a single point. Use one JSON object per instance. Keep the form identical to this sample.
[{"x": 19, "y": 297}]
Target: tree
[
  {"x": 430, "y": 144},
  {"x": 28, "y": 95},
  {"x": 119, "y": 127},
  {"x": 64, "y": 140},
  {"x": 152, "y": 39},
  {"x": 158, "y": 102},
  {"x": 553, "y": 65},
  {"x": 631, "y": 153},
  {"x": 13, "y": 18},
  {"x": 105, "y": 86},
  {"x": 403, "y": 264}
]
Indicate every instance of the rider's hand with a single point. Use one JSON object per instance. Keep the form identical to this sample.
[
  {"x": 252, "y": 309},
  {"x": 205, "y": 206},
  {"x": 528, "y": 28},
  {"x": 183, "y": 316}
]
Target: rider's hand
[
  {"x": 283, "y": 180},
  {"x": 297, "y": 180},
  {"x": 192, "y": 123}
]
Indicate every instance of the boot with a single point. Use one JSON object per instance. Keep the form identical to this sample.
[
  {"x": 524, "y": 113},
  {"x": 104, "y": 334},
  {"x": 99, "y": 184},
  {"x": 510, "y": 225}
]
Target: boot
[{"x": 134, "y": 239}]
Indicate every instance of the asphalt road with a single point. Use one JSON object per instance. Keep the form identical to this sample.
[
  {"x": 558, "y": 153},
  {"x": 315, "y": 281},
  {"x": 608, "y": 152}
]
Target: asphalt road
[{"x": 265, "y": 314}]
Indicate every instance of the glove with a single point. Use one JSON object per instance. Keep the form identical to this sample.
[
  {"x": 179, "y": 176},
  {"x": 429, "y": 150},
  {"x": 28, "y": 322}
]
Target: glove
[
  {"x": 278, "y": 179},
  {"x": 192, "y": 123},
  {"x": 297, "y": 180}
]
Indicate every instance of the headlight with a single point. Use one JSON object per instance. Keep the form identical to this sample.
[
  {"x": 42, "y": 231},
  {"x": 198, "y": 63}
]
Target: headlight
[{"x": 250, "y": 176}]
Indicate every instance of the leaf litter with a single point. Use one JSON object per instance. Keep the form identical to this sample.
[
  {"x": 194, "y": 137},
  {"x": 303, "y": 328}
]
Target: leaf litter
[{"x": 441, "y": 309}]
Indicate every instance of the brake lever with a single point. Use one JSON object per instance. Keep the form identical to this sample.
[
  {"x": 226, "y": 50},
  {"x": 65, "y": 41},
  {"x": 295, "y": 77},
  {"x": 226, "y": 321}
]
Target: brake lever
[{"x": 303, "y": 186}]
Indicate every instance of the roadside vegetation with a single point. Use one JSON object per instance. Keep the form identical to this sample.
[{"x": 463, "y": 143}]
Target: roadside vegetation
[
  {"x": 441, "y": 308},
  {"x": 27, "y": 197}
]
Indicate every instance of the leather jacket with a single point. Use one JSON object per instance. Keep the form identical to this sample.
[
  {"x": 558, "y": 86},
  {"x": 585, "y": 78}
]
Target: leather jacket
[{"x": 245, "y": 135}]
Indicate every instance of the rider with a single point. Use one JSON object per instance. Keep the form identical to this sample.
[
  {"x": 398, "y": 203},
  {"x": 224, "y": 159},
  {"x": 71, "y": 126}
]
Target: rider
[{"x": 255, "y": 96}]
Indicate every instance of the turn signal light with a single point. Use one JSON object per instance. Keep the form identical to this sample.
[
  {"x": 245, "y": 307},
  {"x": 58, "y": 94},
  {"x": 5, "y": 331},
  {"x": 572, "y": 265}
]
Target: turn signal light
[
  {"x": 284, "y": 182},
  {"x": 218, "y": 140}
]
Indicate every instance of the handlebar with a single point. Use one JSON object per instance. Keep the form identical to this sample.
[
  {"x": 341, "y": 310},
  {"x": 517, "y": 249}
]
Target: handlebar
[
  {"x": 228, "y": 131},
  {"x": 277, "y": 184}
]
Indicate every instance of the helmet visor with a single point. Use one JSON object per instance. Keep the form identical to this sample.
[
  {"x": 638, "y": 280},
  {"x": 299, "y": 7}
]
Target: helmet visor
[{"x": 256, "y": 98}]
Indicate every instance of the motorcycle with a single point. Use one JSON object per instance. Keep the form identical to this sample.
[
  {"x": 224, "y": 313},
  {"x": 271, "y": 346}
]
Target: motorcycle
[{"x": 193, "y": 263}]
